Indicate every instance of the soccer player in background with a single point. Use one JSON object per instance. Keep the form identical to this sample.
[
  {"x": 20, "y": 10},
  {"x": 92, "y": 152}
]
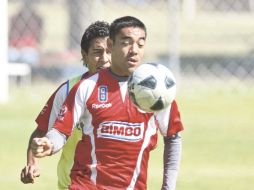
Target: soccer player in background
[
  {"x": 117, "y": 137},
  {"x": 95, "y": 56}
]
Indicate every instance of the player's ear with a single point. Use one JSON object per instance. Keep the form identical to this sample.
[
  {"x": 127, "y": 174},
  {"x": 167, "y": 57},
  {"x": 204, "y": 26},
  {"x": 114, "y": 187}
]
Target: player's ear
[
  {"x": 84, "y": 57},
  {"x": 110, "y": 44}
]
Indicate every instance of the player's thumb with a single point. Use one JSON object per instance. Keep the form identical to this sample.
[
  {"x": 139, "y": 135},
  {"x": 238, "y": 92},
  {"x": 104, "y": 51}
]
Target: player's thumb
[
  {"x": 36, "y": 173},
  {"x": 37, "y": 141},
  {"x": 45, "y": 150}
]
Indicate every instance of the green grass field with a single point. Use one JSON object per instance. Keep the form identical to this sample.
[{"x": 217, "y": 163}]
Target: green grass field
[{"x": 217, "y": 141}]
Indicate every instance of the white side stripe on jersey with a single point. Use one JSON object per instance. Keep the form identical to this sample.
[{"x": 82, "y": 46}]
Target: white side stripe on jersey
[
  {"x": 83, "y": 91},
  {"x": 86, "y": 117},
  {"x": 151, "y": 130},
  {"x": 57, "y": 104},
  {"x": 88, "y": 130},
  {"x": 94, "y": 160},
  {"x": 163, "y": 119}
]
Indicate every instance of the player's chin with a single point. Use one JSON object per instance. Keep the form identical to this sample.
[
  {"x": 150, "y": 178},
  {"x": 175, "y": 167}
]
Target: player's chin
[{"x": 132, "y": 67}]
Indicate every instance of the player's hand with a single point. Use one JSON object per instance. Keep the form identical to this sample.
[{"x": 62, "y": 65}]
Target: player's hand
[
  {"x": 29, "y": 173},
  {"x": 41, "y": 147}
]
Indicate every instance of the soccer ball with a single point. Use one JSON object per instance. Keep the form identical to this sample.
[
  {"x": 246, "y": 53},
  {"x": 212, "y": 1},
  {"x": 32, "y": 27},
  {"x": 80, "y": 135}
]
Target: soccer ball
[{"x": 152, "y": 87}]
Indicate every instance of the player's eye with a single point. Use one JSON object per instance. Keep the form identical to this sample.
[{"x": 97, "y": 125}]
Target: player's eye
[
  {"x": 126, "y": 42},
  {"x": 98, "y": 52},
  {"x": 141, "y": 43}
]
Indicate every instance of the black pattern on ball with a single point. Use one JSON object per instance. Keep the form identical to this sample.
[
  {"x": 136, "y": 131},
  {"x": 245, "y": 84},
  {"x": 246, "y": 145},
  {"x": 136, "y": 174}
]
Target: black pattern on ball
[
  {"x": 169, "y": 82},
  {"x": 149, "y": 82},
  {"x": 158, "y": 105},
  {"x": 151, "y": 87}
]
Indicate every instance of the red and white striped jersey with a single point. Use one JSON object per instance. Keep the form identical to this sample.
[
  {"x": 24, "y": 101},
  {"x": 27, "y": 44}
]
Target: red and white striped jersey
[
  {"x": 117, "y": 136},
  {"x": 45, "y": 121},
  {"x": 49, "y": 112}
]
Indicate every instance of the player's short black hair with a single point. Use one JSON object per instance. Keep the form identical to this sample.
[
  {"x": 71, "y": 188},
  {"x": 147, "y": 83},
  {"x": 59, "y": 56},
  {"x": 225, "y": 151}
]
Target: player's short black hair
[
  {"x": 122, "y": 22},
  {"x": 95, "y": 30}
]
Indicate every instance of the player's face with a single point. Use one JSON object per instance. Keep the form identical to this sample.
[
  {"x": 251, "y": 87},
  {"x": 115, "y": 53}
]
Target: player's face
[
  {"x": 98, "y": 55},
  {"x": 127, "y": 50}
]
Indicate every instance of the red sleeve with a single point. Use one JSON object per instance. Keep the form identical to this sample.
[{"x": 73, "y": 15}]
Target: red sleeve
[
  {"x": 64, "y": 122},
  {"x": 175, "y": 123},
  {"x": 42, "y": 119}
]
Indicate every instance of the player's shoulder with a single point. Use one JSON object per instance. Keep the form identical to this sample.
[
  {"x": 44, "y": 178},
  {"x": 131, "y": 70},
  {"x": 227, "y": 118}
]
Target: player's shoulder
[
  {"x": 61, "y": 88},
  {"x": 93, "y": 78},
  {"x": 74, "y": 80},
  {"x": 87, "y": 84},
  {"x": 79, "y": 77},
  {"x": 65, "y": 87}
]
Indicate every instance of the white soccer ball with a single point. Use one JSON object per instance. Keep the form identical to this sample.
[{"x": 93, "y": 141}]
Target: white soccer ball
[{"x": 152, "y": 87}]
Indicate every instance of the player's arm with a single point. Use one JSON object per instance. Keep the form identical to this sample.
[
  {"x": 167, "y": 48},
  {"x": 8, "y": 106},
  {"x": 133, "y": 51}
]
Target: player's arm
[
  {"x": 30, "y": 158},
  {"x": 63, "y": 126},
  {"x": 170, "y": 125},
  {"x": 171, "y": 161},
  {"x": 31, "y": 170},
  {"x": 44, "y": 121},
  {"x": 48, "y": 145}
]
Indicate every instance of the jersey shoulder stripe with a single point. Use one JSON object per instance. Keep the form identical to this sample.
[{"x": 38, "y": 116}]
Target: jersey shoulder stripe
[{"x": 47, "y": 116}]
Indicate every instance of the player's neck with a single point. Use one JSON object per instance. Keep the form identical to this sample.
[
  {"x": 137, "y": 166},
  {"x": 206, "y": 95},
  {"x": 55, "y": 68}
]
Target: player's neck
[{"x": 117, "y": 77}]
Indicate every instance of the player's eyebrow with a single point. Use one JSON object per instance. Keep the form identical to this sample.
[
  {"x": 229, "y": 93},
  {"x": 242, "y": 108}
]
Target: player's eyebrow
[
  {"x": 126, "y": 38},
  {"x": 98, "y": 48},
  {"x": 130, "y": 38}
]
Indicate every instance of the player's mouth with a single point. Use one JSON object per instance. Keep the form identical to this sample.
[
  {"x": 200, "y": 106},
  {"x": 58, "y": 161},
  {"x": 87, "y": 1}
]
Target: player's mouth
[
  {"x": 100, "y": 67},
  {"x": 132, "y": 61}
]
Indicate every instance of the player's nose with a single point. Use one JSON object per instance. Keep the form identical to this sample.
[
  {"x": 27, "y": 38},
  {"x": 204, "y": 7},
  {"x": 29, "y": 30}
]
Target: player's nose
[
  {"x": 105, "y": 60},
  {"x": 134, "y": 48}
]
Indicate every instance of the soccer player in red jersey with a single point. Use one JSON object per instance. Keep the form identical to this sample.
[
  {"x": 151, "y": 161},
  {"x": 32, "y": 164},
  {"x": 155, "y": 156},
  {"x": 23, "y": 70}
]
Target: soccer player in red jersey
[
  {"x": 95, "y": 55},
  {"x": 117, "y": 136}
]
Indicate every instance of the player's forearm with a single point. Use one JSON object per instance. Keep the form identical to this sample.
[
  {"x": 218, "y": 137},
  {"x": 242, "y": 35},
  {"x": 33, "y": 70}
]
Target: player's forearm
[
  {"x": 57, "y": 138},
  {"x": 31, "y": 159},
  {"x": 172, "y": 158}
]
